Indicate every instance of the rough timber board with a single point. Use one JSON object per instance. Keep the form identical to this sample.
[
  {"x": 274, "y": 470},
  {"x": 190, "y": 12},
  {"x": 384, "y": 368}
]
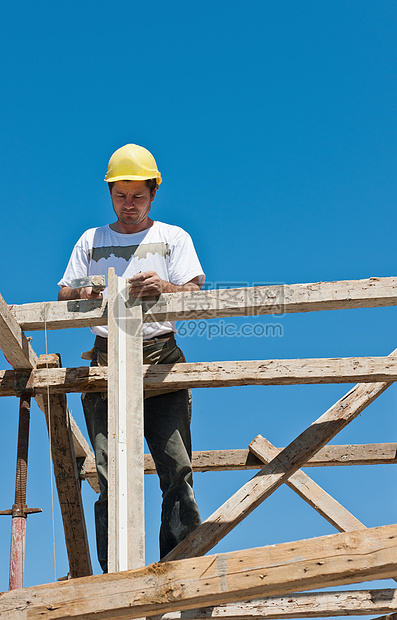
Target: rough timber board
[
  {"x": 213, "y": 374},
  {"x": 329, "y": 456},
  {"x": 310, "y": 491},
  {"x": 369, "y": 293},
  {"x": 20, "y": 354},
  {"x": 235, "y": 460},
  {"x": 13, "y": 343},
  {"x": 126, "y": 546},
  {"x": 212, "y": 580},
  {"x": 261, "y": 486},
  {"x": 80, "y": 445},
  {"x": 67, "y": 481},
  {"x": 68, "y": 487},
  {"x": 303, "y": 605}
]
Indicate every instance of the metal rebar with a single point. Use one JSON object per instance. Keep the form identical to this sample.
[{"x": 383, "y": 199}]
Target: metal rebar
[{"x": 19, "y": 514}]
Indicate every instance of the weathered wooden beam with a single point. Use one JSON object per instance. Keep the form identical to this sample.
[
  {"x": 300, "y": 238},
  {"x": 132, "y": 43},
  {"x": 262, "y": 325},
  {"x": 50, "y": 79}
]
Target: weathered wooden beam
[
  {"x": 61, "y": 314},
  {"x": 310, "y": 491},
  {"x": 83, "y": 451},
  {"x": 336, "y": 514},
  {"x": 80, "y": 445},
  {"x": 302, "y": 605},
  {"x": 13, "y": 342},
  {"x": 272, "y": 372},
  {"x": 387, "y": 617},
  {"x": 240, "y": 459},
  {"x": 21, "y": 356},
  {"x": 67, "y": 482},
  {"x": 252, "y": 301},
  {"x": 329, "y": 456},
  {"x": 286, "y": 463},
  {"x": 126, "y": 531},
  {"x": 211, "y": 374},
  {"x": 212, "y": 580}
]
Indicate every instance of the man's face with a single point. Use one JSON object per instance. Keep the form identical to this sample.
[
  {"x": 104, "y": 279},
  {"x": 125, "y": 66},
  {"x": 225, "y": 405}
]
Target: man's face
[{"x": 131, "y": 203}]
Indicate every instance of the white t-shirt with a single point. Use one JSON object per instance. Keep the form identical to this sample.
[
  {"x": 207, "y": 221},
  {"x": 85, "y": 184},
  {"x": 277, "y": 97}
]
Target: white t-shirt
[{"x": 168, "y": 250}]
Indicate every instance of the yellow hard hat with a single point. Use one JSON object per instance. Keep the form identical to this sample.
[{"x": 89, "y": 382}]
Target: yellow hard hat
[{"x": 132, "y": 163}]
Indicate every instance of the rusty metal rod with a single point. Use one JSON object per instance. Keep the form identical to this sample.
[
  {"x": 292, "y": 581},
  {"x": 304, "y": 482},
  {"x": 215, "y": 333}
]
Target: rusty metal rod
[
  {"x": 18, "y": 528},
  {"x": 20, "y": 511}
]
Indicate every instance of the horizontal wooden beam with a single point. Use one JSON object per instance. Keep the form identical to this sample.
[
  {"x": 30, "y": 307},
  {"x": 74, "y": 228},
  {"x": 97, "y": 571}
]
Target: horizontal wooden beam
[
  {"x": 329, "y": 456},
  {"x": 252, "y": 301},
  {"x": 212, "y": 580},
  {"x": 302, "y": 605},
  {"x": 211, "y": 374},
  {"x": 240, "y": 459},
  {"x": 272, "y": 372}
]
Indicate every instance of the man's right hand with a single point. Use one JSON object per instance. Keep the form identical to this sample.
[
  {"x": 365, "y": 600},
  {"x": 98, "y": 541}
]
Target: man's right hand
[
  {"x": 87, "y": 293},
  {"x": 67, "y": 293}
]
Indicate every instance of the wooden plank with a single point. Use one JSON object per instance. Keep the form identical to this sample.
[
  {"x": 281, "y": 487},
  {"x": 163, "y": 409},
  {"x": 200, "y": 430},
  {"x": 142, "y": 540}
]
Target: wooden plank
[
  {"x": 61, "y": 314},
  {"x": 243, "y": 459},
  {"x": 358, "y": 454},
  {"x": 302, "y": 605},
  {"x": 252, "y": 301},
  {"x": 126, "y": 530},
  {"x": 329, "y": 456},
  {"x": 214, "y": 374},
  {"x": 82, "y": 450},
  {"x": 13, "y": 342},
  {"x": 68, "y": 484},
  {"x": 212, "y": 580},
  {"x": 80, "y": 445},
  {"x": 272, "y": 372},
  {"x": 240, "y": 459},
  {"x": 21, "y": 355},
  {"x": 310, "y": 491},
  {"x": 261, "y": 486}
]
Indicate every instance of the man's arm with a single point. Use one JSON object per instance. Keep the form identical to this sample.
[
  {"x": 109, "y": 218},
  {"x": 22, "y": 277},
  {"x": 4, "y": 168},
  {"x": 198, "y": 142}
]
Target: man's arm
[
  {"x": 66, "y": 293},
  {"x": 144, "y": 284},
  {"x": 149, "y": 283}
]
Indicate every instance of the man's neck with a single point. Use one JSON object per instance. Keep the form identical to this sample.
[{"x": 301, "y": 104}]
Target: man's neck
[{"x": 125, "y": 229}]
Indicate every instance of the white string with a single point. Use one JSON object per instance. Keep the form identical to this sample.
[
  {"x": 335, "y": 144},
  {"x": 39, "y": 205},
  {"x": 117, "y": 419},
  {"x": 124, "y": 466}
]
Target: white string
[{"x": 50, "y": 443}]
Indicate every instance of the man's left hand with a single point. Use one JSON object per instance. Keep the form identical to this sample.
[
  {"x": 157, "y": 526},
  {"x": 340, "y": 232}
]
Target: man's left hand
[{"x": 146, "y": 284}]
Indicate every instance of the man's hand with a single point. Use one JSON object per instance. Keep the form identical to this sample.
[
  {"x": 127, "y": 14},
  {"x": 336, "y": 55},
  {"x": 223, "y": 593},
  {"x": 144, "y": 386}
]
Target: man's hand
[
  {"x": 146, "y": 284},
  {"x": 87, "y": 293},
  {"x": 149, "y": 284},
  {"x": 66, "y": 293}
]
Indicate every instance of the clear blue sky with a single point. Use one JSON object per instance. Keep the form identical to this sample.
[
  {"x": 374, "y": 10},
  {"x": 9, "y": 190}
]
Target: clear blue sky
[{"x": 274, "y": 127}]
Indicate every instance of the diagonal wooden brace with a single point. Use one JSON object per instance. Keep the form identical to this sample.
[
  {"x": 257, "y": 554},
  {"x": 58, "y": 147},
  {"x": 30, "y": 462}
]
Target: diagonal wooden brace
[{"x": 275, "y": 473}]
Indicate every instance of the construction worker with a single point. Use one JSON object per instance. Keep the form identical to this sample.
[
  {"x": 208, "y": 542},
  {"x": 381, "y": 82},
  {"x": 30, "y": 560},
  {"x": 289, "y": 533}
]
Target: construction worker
[{"x": 156, "y": 258}]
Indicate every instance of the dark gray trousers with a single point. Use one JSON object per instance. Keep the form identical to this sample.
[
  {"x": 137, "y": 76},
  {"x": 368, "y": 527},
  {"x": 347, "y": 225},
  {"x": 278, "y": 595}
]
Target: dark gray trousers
[{"x": 167, "y": 432}]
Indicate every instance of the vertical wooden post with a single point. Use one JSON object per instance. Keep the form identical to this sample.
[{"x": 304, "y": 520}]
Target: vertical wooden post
[{"x": 126, "y": 541}]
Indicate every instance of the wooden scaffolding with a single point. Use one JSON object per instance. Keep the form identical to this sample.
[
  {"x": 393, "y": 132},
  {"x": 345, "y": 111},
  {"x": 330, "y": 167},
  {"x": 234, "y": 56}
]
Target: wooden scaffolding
[{"x": 264, "y": 582}]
